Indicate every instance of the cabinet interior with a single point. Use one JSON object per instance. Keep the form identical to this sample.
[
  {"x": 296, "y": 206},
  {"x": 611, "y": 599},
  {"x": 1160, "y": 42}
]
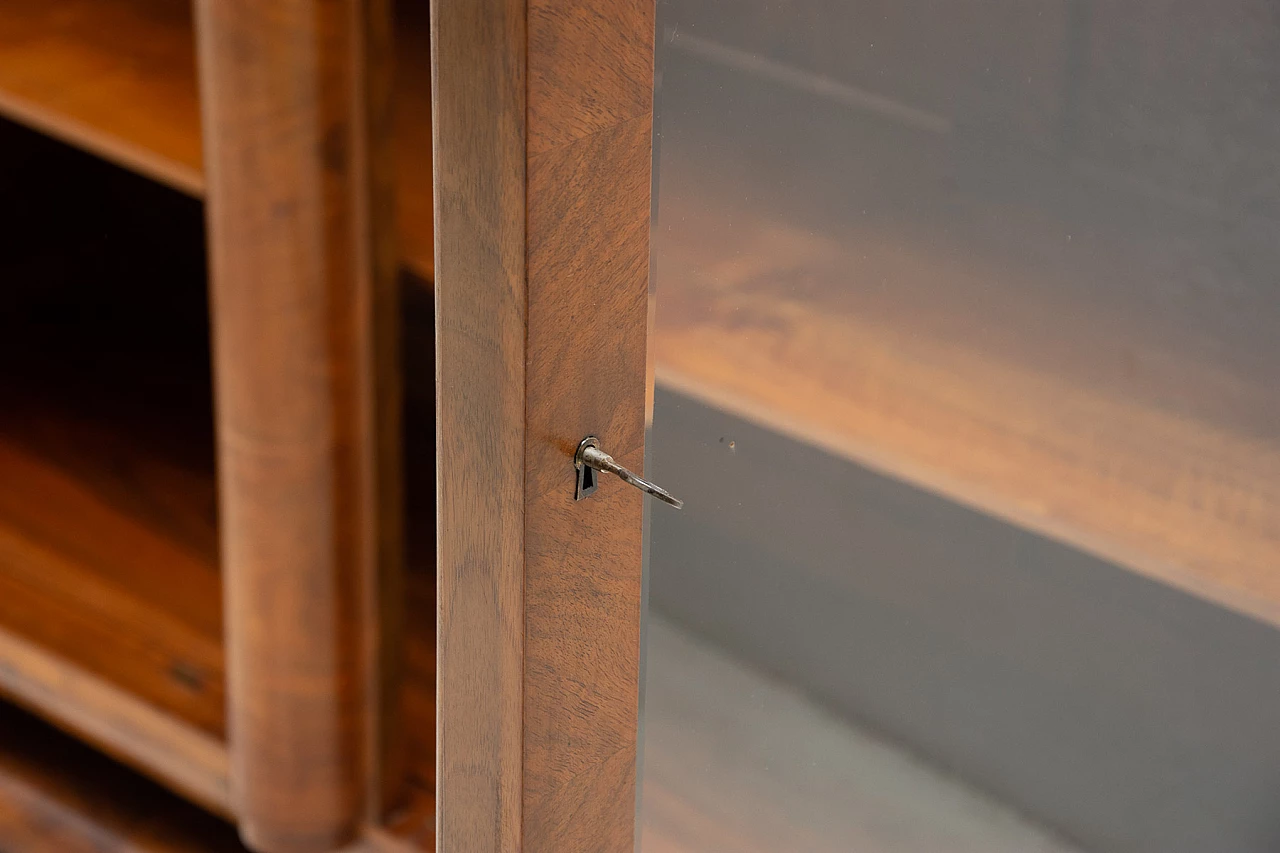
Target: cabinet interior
[{"x": 110, "y": 591}]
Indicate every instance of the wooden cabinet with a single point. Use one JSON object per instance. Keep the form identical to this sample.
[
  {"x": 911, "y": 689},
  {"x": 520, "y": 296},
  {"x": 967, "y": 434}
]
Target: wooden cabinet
[
  {"x": 218, "y": 505},
  {"x": 961, "y": 341},
  {"x": 204, "y": 567}
]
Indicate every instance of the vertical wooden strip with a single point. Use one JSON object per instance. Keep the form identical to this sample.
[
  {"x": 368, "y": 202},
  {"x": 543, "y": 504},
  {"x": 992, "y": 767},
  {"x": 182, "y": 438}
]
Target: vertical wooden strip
[
  {"x": 478, "y": 87},
  {"x": 299, "y": 287},
  {"x": 590, "y": 72},
  {"x": 385, "y": 594},
  {"x": 542, "y": 257}
]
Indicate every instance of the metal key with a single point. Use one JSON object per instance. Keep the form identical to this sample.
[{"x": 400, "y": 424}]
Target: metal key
[{"x": 590, "y": 458}]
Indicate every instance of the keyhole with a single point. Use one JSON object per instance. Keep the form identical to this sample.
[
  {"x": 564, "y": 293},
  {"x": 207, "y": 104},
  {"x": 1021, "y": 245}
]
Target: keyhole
[{"x": 588, "y": 480}]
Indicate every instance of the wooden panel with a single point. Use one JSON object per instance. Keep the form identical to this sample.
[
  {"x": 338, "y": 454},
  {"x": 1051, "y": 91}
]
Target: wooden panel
[
  {"x": 124, "y": 610},
  {"x": 590, "y": 124},
  {"x": 299, "y": 297},
  {"x": 478, "y": 112},
  {"x": 541, "y": 340},
  {"x": 117, "y": 77},
  {"x": 112, "y": 626},
  {"x": 117, "y": 437}
]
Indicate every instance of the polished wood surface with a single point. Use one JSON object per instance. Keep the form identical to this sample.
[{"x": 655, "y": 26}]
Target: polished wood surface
[
  {"x": 111, "y": 626},
  {"x": 123, "y": 644},
  {"x": 478, "y": 113},
  {"x": 117, "y": 77},
  {"x": 541, "y": 341},
  {"x": 293, "y": 117},
  {"x": 590, "y": 108},
  {"x": 78, "y": 647}
]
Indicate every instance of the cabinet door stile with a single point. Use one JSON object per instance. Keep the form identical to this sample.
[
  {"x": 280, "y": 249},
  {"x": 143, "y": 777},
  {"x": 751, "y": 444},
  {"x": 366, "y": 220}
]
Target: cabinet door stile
[{"x": 543, "y": 122}]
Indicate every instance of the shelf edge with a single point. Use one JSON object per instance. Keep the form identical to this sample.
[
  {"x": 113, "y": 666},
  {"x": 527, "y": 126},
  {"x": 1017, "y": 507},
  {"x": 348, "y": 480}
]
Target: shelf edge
[
  {"x": 85, "y": 137},
  {"x": 1230, "y": 596},
  {"x": 173, "y": 752}
]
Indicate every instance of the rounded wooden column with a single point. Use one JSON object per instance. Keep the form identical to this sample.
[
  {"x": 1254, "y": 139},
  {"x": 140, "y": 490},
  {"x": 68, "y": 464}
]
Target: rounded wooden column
[{"x": 300, "y": 274}]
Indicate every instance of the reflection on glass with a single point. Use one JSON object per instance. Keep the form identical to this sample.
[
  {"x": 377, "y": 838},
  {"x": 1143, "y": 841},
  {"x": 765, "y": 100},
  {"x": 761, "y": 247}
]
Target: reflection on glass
[{"x": 966, "y": 340}]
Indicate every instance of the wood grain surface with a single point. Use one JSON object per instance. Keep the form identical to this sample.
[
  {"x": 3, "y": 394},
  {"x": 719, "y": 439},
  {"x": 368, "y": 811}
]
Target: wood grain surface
[
  {"x": 542, "y": 150},
  {"x": 118, "y": 78},
  {"x": 293, "y": 120},
  {"x": 590, "y": 79},
  {"x": 478, "y": 112}
]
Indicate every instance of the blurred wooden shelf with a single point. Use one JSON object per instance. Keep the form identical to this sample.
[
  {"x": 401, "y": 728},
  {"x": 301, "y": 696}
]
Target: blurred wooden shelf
[
  {"x": 108, "y": 534},
  {"x": 110, "y": 600},
  {"x": 110, "y": 590},
  {"x": 60, "y": 796},
  {"x": 110, "y": 603},
  {"x": 118, "y": 78},
  {"x": 1082, "y": 388}
]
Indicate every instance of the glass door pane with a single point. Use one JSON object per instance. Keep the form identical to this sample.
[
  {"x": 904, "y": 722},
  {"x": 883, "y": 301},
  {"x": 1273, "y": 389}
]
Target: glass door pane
[{"x": 966, "y": 341}]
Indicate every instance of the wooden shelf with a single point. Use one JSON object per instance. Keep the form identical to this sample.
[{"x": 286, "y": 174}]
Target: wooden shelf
[
  {"x": 108, "y": 544},
  {"x": 110, "y": 600},
  {"x": 117, "y": 78},
  {"x": 110, "y": 596},
  {"x": 1059, "y": 347},
  {"x": 109, "y": 624},
  {"x": 110, "y": 606},
  {"x": 59, "y": 796},
  {"x": 110, "y": 590}
]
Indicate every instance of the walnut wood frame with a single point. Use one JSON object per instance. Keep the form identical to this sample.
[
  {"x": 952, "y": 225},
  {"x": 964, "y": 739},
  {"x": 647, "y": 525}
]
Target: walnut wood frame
[
  {"x": 296, "y": 115},
  {"x": 542, "y": 114}
]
